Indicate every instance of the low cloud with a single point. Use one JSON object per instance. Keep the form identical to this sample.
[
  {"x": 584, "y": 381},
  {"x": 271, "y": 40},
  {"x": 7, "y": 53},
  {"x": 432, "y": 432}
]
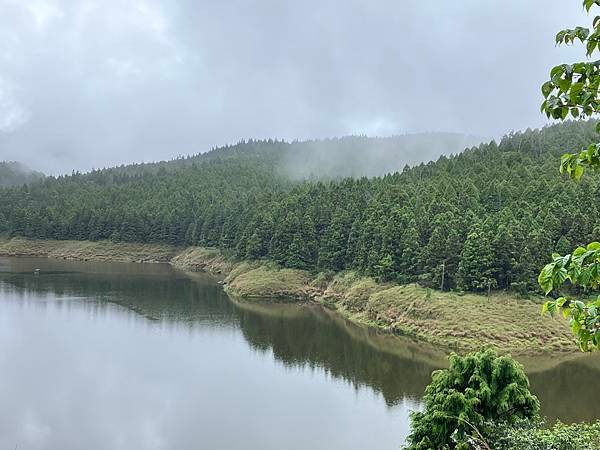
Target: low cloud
[
  {"x": 12, "y": 114},
  {"x": 87, "y": 84}
]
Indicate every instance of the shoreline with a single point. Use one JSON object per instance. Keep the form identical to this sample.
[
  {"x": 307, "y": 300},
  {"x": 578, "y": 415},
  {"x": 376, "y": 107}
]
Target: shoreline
[{"x": 449, "y": 320}]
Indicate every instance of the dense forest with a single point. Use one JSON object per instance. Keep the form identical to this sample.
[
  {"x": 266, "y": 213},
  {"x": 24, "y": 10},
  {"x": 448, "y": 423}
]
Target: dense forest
[
  {"x": 487, "y": 217},
  {"x": 14, "y": 173}
]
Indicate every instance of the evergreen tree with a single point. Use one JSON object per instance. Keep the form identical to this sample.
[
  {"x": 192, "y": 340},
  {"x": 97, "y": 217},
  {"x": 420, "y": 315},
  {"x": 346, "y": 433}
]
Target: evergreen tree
[
  {"x": 462, "y": 401},
  {"x": 476, "y": 267}
]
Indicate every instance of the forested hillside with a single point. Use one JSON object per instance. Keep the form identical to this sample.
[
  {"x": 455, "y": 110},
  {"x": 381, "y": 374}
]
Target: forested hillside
[
  {"x": 14, "y": 173},
  {"x": 488, "y": 217}
]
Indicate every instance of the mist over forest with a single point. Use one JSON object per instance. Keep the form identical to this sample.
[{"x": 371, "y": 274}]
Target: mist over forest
[
  {"x": 13, "y": 173},
  {"x": 321, "y": 159},
  {"x": 362, "y": 156}
]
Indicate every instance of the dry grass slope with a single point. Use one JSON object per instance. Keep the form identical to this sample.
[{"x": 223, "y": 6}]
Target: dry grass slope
[
  {"x": 88, "y": 251},
  {"x": 269, "y": 282},
  {"x": 196, "y": 259},
  {"x": 469, "y": 321}
]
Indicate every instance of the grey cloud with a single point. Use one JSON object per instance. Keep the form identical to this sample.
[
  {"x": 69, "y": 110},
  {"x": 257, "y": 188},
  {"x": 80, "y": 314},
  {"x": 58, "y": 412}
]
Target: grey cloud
[{"x": 88, "y": 83}]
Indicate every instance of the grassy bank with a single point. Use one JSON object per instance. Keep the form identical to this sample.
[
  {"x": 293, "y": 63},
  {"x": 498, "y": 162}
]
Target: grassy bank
[
  {"x": 462, "y": 322},
  {"x": 88, "y": 251}
]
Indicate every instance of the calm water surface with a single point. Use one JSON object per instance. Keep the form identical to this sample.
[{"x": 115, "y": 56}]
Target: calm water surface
[{"x": 111, "y": 356}]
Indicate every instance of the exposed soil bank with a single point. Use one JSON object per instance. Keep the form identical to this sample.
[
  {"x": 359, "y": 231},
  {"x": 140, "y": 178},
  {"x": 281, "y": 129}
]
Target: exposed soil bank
[{"x": 451, "y": 320}]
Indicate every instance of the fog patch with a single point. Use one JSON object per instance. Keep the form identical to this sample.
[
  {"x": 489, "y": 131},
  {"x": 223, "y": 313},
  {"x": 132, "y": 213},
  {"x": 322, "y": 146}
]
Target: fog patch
[{"x": 358, "y": 156}]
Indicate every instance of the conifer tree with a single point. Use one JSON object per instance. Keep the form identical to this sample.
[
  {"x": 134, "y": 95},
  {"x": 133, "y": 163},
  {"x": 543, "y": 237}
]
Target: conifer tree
[
  {"x": 464, "y": 399},
  {"x": 476, "y": 267}
]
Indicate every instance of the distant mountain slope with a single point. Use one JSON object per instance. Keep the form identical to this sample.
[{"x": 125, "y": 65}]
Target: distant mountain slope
[
  {"x": 14, "y": 173},
  {"x": 350, "y": 156},
  {"x": 361, "y": 156},
  {"x": 487, "y": 217}
]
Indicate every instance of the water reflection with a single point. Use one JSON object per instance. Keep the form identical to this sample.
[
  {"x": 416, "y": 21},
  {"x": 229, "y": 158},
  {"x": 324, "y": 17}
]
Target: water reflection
[
  {"x": 207, "y": 342},
  {"x": 309, "y": 336},
  {"x": 155, "y": 291},
  {"x": 296, "y": 335},
  {"x": 568, "y": 390}
]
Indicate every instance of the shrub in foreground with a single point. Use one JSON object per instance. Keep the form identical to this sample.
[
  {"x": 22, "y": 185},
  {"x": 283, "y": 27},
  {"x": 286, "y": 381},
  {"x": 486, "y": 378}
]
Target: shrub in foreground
[{"x": 477, "y": 389}]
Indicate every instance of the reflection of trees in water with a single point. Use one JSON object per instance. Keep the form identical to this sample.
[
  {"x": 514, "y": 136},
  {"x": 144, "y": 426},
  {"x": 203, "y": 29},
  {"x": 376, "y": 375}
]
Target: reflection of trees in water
[
  {"x": 298, "y": 336},
  {"x": 568, "y": 391},
  {"x": 310, "y": 338},
  {"x": 156, "y": 295}
]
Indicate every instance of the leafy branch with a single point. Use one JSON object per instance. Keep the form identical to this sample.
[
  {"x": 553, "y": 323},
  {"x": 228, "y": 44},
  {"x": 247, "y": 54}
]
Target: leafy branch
[
  {"x": 581, "y": 268},
  {"x": 574, "y": 89}
]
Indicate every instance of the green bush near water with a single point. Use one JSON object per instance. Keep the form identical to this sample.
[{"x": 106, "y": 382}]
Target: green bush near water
[
  {"x": 482, "y": 402},
  {"x": 477, "y": 389}
]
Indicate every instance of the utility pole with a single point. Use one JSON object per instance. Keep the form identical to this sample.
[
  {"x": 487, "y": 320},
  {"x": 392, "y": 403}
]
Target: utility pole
[{"x": 443, "y": 273}]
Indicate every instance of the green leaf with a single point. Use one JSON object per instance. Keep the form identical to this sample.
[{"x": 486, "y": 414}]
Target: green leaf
[
  {"x": 593, "y": 246},
  {"x": 545, "y": 279},
  {"x": 564, "y": 84},
  {"x": 576, "y": 88},
  {"x": 556, "y": 72},
  {"x": 590, "y": 47},
  {"x": 579, "y": 68},
  {"x": 588, "y": 4},
  {"x": 578, "y": 173},
  {"x": 549, "y": 308}
]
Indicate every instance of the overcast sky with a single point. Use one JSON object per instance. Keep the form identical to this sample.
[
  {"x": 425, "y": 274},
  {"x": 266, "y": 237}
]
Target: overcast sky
[{"x": 90, "y": 83}]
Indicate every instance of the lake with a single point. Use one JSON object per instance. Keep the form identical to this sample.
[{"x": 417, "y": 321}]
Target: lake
[{"x": 142, "y": 356}]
